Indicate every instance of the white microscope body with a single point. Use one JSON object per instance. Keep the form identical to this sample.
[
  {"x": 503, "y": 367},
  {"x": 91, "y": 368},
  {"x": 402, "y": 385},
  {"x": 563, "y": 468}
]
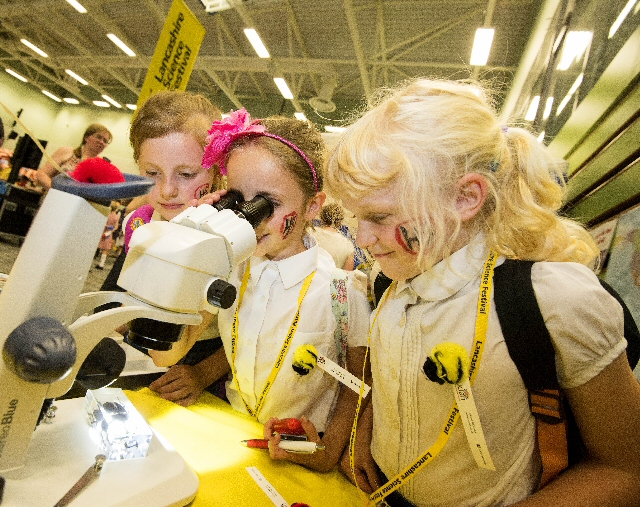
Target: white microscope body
[{"x": 170, "y": 275}]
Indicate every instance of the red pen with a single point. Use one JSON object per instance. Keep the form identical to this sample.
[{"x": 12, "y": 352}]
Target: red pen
[{"x": 296, "y": 446}]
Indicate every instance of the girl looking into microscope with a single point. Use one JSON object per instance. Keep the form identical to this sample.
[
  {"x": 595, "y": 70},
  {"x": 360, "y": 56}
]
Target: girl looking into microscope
[{"x": 284, "y": 290}]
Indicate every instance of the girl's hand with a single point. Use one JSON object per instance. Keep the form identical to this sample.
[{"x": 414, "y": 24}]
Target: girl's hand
[
  {"x": 366, "y": 470},
  {"x": 209, "y": 198},
  {"x": 181, "y": 384},
  {"x": 317, "y": 460}
]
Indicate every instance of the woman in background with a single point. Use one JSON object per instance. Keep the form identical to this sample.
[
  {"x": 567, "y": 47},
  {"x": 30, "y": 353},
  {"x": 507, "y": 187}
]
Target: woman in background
[{"x": 94, "y": 140}]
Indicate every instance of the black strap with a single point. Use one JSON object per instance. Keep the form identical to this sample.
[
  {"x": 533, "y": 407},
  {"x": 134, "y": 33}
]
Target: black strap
[{"x": 523, "y": 326}]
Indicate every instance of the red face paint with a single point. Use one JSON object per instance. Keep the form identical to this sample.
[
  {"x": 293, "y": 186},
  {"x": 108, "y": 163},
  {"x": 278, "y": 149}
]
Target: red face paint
[
  {"x": 288, "y": 224},
  {"x": 202, "y": 190},
  {"x": 406, "y": 240}
]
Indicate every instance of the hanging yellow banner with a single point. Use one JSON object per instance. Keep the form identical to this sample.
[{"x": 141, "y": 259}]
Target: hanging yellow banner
[{"x": 175, "y": 53}]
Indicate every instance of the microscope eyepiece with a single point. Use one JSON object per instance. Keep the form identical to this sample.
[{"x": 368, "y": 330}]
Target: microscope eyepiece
[
  {"x": 230, "y": 200},
  {"x": 255, "y": 210}
]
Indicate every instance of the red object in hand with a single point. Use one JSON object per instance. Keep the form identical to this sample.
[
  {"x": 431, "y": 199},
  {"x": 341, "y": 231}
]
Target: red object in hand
[
  {"x": 97, "y": 170},
  {"x": 299, "y": 505},
  {"x": 289, "y": 426}
]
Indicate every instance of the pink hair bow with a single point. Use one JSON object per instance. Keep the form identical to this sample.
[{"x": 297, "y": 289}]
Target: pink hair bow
[{"x": 223, "y": 133}]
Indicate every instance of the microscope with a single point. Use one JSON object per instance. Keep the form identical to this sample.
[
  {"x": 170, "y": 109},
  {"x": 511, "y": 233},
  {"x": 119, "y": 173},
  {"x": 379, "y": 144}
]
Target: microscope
[{"x": 173, "y": 271}]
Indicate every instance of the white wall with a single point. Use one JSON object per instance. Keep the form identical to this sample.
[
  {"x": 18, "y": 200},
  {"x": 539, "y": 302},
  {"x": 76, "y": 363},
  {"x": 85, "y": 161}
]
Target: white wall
[{"x": 63, "y": 124}]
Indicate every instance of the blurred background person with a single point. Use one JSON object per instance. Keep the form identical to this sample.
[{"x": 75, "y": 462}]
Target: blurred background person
[
  {"x": 94, "y": 140},
  {"x": 330, "y": 238}
]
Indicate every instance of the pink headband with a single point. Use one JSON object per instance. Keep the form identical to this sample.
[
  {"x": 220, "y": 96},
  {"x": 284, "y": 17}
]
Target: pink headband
[{"x": 238, "y": 124}]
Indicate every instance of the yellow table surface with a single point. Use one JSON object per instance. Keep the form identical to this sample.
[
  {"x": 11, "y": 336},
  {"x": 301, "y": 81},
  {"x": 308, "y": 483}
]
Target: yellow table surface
[{"x": 207, "y": 435}]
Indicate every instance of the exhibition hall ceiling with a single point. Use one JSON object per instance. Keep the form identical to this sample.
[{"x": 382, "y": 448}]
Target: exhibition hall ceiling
[{"x": 330, "y": 52}]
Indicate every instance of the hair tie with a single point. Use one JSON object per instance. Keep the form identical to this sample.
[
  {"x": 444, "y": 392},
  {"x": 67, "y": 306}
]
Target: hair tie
[
  {"x": 239, "y": 124},
  {"x": 504, "y": 128}
]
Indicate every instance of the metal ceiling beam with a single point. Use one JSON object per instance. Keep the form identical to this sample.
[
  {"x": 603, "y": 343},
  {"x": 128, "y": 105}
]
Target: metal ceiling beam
[
  {"x": 357, "y": 46},
  {"x": 223, "y": 86}
]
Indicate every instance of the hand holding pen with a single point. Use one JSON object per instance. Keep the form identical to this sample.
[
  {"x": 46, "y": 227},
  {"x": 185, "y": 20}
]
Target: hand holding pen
[{"x": 278, "y": 433}]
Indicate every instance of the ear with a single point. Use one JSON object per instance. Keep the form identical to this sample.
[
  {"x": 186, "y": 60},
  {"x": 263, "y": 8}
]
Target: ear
[
  {"x": 472, "y": 190},
  {"x": 315, "y": 205}
]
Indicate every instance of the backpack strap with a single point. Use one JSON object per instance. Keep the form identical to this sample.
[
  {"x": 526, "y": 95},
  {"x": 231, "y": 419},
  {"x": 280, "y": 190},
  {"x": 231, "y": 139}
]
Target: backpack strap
[
  {"x": 139, "y": 217},
  {"x": 530, "y": 347},
  {"x": 340, "y": 308}
]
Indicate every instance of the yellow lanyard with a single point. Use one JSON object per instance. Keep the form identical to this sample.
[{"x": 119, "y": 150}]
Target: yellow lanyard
[
  {"x": 482, "y": 322},
  {"x": 283, "y": 351}
]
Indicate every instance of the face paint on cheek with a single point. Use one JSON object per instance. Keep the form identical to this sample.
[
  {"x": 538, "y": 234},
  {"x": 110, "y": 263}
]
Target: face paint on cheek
[
  {"x": 288, "y": 224},
  {"x": 406, "y": 239},
  {"x": 202, "y": 190}
]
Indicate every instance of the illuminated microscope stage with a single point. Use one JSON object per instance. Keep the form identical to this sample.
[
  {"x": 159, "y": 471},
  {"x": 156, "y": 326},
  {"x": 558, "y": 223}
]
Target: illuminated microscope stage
[{"x": 62, "y": 451}]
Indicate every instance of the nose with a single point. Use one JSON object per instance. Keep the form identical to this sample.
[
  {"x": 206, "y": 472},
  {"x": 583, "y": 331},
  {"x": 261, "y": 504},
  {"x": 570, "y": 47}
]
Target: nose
[
  {"x": 366, "y": 236},
  {"x": 168, "y": 188}
]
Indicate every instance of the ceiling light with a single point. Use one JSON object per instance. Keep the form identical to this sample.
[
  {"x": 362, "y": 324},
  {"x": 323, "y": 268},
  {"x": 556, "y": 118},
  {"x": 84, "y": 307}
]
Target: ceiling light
[
  {"x": 283, "y": 87},
  {"x": 256, "y": 42},
  {"x": 541, "y": 137},
  {"x": 547, "y": 108},
  {"x": 76, "y": 77},
  {"x": 300, "y": 116},
  {"x": 121, "y": 44},
  {"x": 111, "y": 101},
  {"x": 71, "y": 100},
  {"x": 575, "y": 44},
  {"x": 572, "y": 90},
  {"x": 52, "y": 96},
  {"x": 533, "y": 108},
  {"x": 335, "y": 130},
  {"x": 621, "y": 17},
  {"x": 16, "y": 75},
  {"x": 35, "y": 48},
  {"x": 481, "y": 46},
  {"x": 215, "y": 5},
  {"x": 77, "y": 6},
  {"x": 101, "y": 103},
  {"x": 133, "y": 107}
]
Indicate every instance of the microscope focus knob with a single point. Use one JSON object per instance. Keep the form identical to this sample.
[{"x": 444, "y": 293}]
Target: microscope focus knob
[
  {"x": 40, "y": 350},
  {"x": 221, "y": 294}
]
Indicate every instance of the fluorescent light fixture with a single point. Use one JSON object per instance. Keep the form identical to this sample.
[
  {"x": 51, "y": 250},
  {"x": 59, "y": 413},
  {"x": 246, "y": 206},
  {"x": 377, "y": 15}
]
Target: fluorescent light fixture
[
  {"x": 52, "y": 96},
  {"x": 335, "y": 130},
  {"x": 34, "y": 48},
  {"x": 621, "y": 17},
  {"x": 283, "y": 87},
  {"x": 256, "y": 42},
  {"x": 300, "y": 116},
  {"x": 101, "y": 103},
  {"x": 77, "y": 6},
  {"x": 575, "y": 44},
  {"x": 481, "y": 46},
  {"x": 547, "y": 108},
  {"x": 133, "y": 107},
  {"x": 533, "y": 108},
  {"x": 120, "y": 44},
  {"x": 572, "y": 90},
  {"x": 111, "y": 101},
  {"x": 71, "y": 100},
  {"x": 541, "y": 137},
  {"x": 76, "y": 77},
  {"x": 16, "y": 75}
]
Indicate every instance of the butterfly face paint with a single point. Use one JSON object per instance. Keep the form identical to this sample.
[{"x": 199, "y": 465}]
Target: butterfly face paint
[
  {"x": 288, "y": 224},
  {"x": 407, "y": 238}
]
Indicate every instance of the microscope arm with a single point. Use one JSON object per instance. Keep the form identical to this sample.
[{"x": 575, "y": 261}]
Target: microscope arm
[{"x": 88, "y": 331}]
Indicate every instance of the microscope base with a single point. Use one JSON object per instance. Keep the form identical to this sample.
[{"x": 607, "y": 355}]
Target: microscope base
[{"x": 61, "y": 452}]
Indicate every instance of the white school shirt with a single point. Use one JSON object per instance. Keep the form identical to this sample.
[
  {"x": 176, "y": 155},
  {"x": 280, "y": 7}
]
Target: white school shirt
[
  {"x": 265, "y": 316},
  {"x": 586, "y": 326}
]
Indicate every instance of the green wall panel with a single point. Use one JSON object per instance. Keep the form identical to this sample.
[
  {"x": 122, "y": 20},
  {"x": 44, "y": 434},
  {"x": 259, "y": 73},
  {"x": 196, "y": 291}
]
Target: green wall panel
[
  {"x": 614, "y": 154},
  {"x": 619, "y": 190}
]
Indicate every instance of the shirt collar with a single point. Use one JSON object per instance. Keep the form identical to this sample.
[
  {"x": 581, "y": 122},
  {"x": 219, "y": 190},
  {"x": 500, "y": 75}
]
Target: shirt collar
[
  {"x": 450, "y": 275},
  {"x": 294, "y": 269}
]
